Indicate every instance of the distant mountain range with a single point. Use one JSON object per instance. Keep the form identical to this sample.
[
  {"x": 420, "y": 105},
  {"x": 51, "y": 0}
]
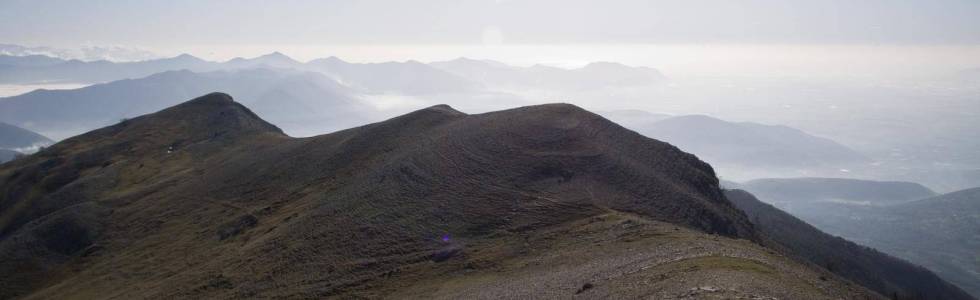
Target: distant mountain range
[
  {"x": 941, "y": 233},
  {"x": 409, "y": 77},
  {"x": 836, "y": 190},
  {"x": 591, "y": 76},
  {"x": 634, "y": 118},
  {"x": 903, "y": 219},
  {"x": 87, "y": 53},
  {"x": 893, "y": 277},
  {"x": 307, "y": 105},
  {"x": 304, "y": 103},
  {"x": 744, "y": 150}
]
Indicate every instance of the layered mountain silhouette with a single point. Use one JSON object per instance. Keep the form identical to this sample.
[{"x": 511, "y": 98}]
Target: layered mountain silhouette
[
  {"x": 411, "y": 77},
  {"x": 890, "y": 276},
  {"x": 745, "y": 150},
  {"x": 88, "y": 52},
  {"x": 900, "y": 218},
  {"x": 24, "y": 69},
  {"x": 205, "y": 199},
  {"x": 301, "y": 102},
  {"x": 790, "y": 191},
  {"x": 8, "y": 61},
  {"x": 939, "y": 232},
  {"x": 593, "y": 75},
  {"x": 634, "y": 118},
  {"x": 392, "y": 77}
]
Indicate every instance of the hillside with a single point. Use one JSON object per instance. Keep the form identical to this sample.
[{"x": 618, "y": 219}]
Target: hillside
[
  {"x": 206, "y": 200},
  {"x": 888, "y": 275}
]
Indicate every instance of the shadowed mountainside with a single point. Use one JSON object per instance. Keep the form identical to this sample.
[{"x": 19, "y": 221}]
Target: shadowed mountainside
[{"x": 205, "y": 199}]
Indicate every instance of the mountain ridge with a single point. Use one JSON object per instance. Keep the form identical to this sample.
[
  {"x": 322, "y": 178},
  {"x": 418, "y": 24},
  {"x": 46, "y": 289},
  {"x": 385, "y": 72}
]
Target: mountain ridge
[{"x": 421, "y": 196}]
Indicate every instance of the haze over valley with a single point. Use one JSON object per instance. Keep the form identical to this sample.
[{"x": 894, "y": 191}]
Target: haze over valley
[{"x": 629, "y": 149}]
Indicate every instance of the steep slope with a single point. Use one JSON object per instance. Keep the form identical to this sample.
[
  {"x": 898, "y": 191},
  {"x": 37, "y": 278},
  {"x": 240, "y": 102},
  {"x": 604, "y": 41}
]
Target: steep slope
[
  {"x": 206, "y": 200},
  {"x": 20, "y": 139},
  {"x": 301, "y": 102},
  {"x": 887, "y": 275}
]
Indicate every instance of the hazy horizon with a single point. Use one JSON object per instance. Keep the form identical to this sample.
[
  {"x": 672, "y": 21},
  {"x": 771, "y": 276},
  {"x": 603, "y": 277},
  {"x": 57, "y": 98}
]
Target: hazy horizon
[
  {"x": 699, "y": 38},
  {"x": 666, "y": 149}
]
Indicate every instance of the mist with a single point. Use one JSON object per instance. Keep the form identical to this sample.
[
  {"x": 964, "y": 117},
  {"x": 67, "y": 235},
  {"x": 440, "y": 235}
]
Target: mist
[{"x": 858, "y": 118}]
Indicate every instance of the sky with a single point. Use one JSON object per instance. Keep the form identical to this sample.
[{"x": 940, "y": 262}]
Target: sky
[
  {"x": 806, "y": 32},
  {"x": 154, "y": 23}
]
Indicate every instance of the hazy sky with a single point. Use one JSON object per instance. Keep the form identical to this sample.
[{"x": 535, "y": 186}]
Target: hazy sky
[
  {"x": 164, "y": 23},
  {"x": 768, "y": 35}
]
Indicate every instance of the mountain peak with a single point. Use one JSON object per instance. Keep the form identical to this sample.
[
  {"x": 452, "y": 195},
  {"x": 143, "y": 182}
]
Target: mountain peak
[
  {"x": 217, "y": 98},
  {"x": 276, "y": 56},
  {"x": 605, "y": 64},
  {"x": 203, "y": 118},
  {"x": 185, "y": 56},
  {"x": 331, "y": 59},
  {"x": 445, "y": 108}
]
